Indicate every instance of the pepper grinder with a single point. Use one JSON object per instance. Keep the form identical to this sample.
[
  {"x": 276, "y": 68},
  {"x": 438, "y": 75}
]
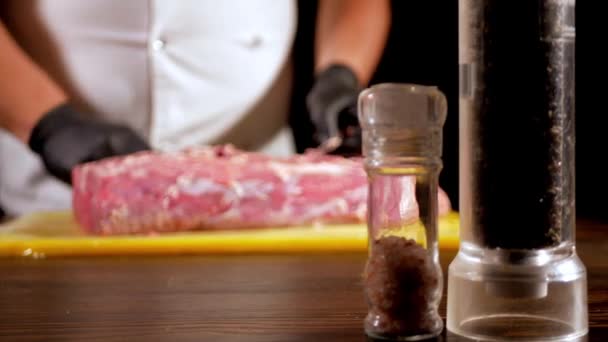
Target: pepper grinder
[
  {"x": 517, "y": 274},
  {"x": 402, "y": 139}
]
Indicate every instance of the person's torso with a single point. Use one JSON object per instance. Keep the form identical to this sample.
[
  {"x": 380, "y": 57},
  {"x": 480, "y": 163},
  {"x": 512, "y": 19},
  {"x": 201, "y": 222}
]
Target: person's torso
[{"x": 180, "y": 73}]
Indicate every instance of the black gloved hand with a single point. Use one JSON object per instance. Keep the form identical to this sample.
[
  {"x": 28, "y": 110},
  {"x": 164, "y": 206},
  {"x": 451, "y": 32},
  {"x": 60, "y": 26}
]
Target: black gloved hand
[
  {"x": 332, "y": 104},
  {"x": 64, "y": 139}
]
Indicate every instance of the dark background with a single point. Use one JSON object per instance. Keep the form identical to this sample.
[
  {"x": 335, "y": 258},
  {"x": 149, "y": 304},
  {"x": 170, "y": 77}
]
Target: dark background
[
  {"x": 423, "y": 48},
  {"x": 591, "y": 111}
]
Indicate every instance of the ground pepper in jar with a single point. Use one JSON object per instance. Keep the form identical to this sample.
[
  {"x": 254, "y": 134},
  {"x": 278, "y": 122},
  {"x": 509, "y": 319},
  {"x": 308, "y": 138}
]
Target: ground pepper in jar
[
  {"x": 401, "y": 282},
  {"x": 519, "y": 124}
]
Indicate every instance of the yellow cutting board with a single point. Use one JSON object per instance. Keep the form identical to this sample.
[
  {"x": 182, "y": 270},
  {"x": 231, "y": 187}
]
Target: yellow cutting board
[{"x": 57, "y": 234}]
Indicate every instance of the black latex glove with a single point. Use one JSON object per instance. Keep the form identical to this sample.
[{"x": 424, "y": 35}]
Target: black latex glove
[
  {"x": 64, "y": 139},
  {"x": 332, "y": 104}
]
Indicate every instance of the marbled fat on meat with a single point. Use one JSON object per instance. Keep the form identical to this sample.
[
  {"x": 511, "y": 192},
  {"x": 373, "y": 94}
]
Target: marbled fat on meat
[{"x": 218, "y": 188}]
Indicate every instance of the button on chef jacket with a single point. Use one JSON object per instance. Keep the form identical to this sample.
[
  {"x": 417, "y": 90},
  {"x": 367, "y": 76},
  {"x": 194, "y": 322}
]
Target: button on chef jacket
[{"x": 181, "y": 73}]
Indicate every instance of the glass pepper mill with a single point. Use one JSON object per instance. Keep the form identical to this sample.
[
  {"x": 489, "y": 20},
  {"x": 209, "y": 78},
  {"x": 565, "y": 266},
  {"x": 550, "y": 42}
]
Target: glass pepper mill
[
  {"x": 402, "y": 139},
  {"x": 517, "y": 274}
]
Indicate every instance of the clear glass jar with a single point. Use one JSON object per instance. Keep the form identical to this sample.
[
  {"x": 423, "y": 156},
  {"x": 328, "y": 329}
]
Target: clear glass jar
[
  {"x": 517, "y": 275},
  {"x": 402, "y": 142}
]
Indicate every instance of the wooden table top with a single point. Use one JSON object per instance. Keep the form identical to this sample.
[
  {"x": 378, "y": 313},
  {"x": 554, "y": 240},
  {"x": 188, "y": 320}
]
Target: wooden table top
[{"x": 218, "y": 298}]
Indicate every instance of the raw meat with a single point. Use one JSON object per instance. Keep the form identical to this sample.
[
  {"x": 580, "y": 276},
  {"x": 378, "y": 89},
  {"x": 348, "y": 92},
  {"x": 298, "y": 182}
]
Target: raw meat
[{"x": 218, "y": 188}]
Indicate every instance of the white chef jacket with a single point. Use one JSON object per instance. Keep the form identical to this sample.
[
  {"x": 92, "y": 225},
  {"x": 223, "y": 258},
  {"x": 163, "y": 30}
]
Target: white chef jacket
[{"x": 181, "y": 73}]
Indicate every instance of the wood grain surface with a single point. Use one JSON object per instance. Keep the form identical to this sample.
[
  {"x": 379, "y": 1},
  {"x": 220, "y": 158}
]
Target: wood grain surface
[{"x": 218, "y": 298}]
